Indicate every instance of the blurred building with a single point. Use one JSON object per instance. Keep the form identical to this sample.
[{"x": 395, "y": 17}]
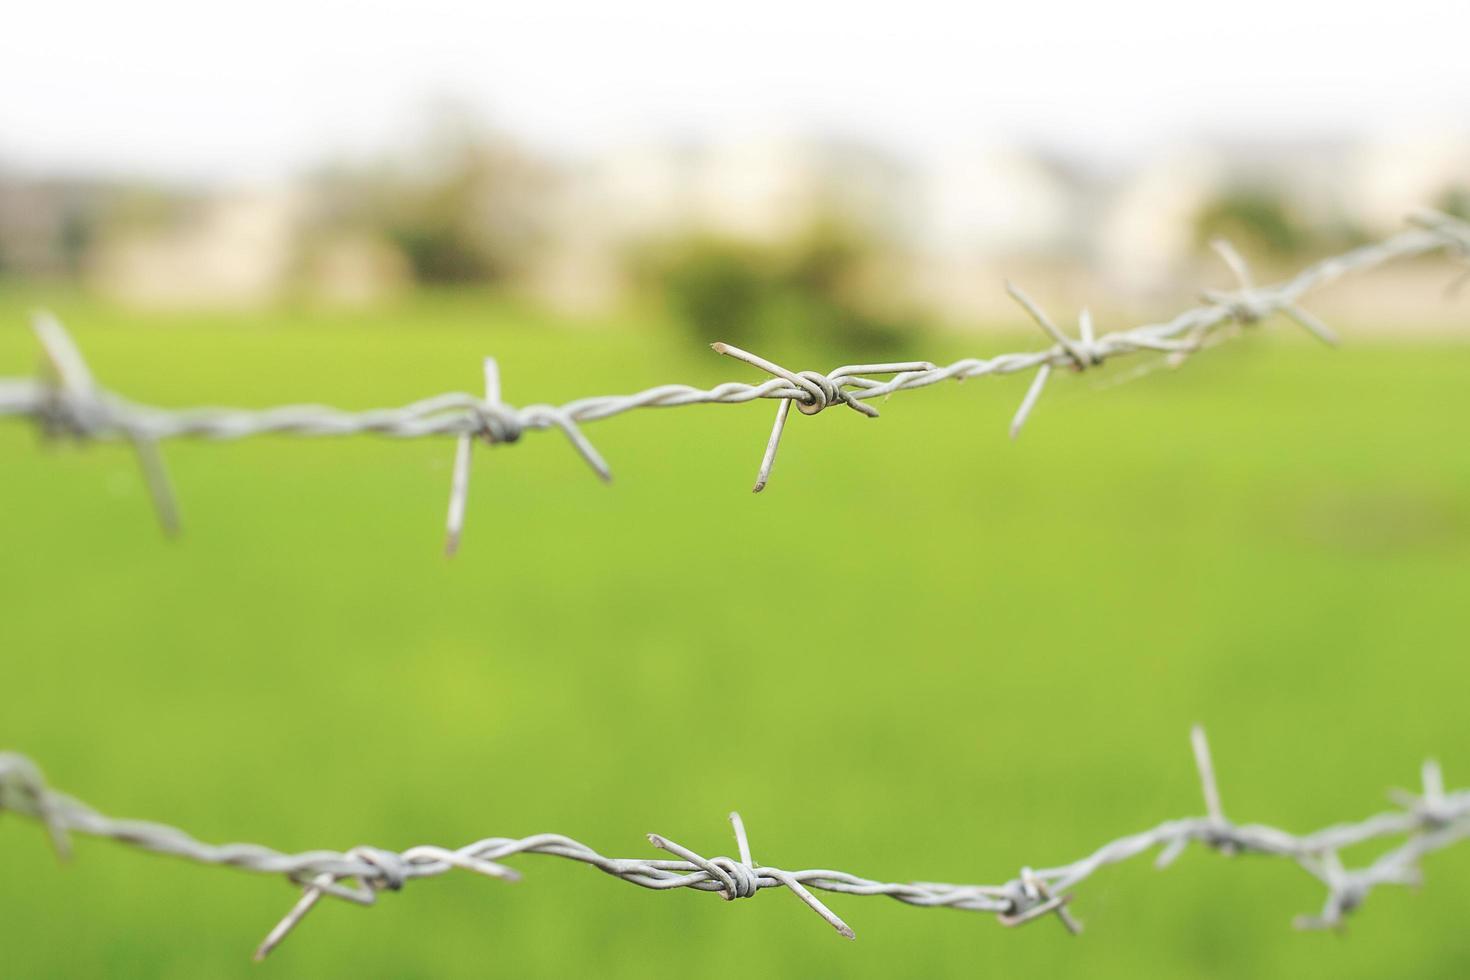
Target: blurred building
[
  {"x": 988, "y": 213},
  {"x": 762, "y": 191},
  {"x": 48, "y": 227},
  {"x": 229, "y": 250},
  {"x": 938, "y": 235},
  {"x": 1415, "y": 167}
]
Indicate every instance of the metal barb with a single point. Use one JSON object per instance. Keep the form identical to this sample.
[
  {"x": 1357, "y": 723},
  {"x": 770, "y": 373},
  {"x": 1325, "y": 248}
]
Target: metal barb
[
  {"x": 75, "y": 385},
  {"x": 459, "y": 487},
  {"x": 1033, "y": 392},
  {"x": 813, "y": 392},
  {"x": 1235, "y": 261},
  {"x": 20, "y": 776},
  {"x": 1433, "y": 781},
  {"x": 1429, "y": 804},
  {"x": 309, "y": 897},
  {"x": 1080, "y": 358},
  {"x": 1206, "y": 767},
  {"x": 1311, "y": 324},
  {"x": 1250, "y": 303},
  {"x": 1456, "y": 234},
  {"x": 1454, "y": 230},
  {"x": 744, "y": 878},
  {"x": 1038, "y": 902},
  {"x": 1219, "y": 834}
]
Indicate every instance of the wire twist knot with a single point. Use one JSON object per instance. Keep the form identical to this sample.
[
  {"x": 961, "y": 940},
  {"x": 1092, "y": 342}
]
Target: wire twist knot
[
  {"x": 1022, "y": 894},
  {"x": 1249, "y": 304},
  {"x": 1030, "y": 899},
  {"x": 1220, "y": 835},
  {"x": 392, "y": 870},
  {"x": 815, "y": 391},
  {"x": 743, "y": 880},
  {"x": 496, "y": 423},
  {"x": 820, "y": 391},
  {"x": 1079, "y": 353},
  {"x": 21, "y": 785},
  {"x": 79, "y": 414},
  {"x": 499, "y": 423},
  {"x": 1246, "y": 306}
]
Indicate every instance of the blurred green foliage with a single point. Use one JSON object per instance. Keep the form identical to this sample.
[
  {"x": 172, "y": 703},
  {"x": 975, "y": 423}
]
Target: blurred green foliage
[
  {"x": 461, "y": 204},
  {"x": 924, "y": 652},
  {"x": 1260, "y": 219},
  {"x": 1253, "y": 217},
  {"x": 817, "y": 288},
  {"x": 1456, "y": 202}
]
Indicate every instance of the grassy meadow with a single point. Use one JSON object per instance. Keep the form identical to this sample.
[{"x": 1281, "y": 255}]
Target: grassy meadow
[{"x": 923, "y": 653}]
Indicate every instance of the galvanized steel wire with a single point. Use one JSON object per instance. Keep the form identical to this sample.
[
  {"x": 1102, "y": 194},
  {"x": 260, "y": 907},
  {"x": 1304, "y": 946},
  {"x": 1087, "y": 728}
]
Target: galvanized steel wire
[
  {"x": 1428, "y": 821},
  {"x": 67, "y": 401}
]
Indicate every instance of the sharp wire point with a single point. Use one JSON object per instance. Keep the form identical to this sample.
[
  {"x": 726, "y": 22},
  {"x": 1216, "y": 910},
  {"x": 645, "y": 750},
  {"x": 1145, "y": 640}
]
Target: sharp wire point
[
  {"x": 813, "y": 392},
  {"x": 309, "y": 896},
  {"x": 459, "y": 491},
  {"x": 74, "y": 380},
  {"x": 1033, "y": 392},
  {"x": 1236, "y": 262},
  {"x": 492, "y": 381},
  {"x": 1206, "y": 768},
  {"x": 768, "y": 460},
  {"x": 1311, "y": 324},
  {"x": 459, "y": 482},
  {"x": 1433, "y": 781},
  {"x": 741, "y": 841},
  {"x": 1171, "y": 852},
  {"x": 62, "y": 353},
  {"x": 160, "y": 487}
]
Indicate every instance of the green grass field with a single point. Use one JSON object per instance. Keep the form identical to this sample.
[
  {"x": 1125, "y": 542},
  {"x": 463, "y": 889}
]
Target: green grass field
[{"x": 924, "y": 653}]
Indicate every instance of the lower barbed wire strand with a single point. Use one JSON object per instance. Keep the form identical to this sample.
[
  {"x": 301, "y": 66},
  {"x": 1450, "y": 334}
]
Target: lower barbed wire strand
[{"x": 1429, "y": 821}]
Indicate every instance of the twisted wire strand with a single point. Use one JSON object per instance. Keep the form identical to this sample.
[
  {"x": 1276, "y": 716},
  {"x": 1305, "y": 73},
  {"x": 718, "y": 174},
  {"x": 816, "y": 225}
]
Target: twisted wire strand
[
  {"x": 68, "y": 402},
  {"x": 1428, "y": 821}
]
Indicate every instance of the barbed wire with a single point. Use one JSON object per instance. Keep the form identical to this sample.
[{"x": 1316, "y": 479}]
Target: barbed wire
[
  {"x": 66, "y": 400},
  {"x": 1429, "y": 820}
]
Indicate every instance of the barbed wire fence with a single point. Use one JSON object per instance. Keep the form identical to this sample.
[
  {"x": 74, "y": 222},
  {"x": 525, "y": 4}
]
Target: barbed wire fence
[
  {"x": 1429, "y": 820},
  {"x": 67, "y": 402}
]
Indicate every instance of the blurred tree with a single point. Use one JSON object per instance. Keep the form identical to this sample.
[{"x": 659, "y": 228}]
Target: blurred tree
[
  {"x": 1255, "y": 218},
  {"x": 717, "y": 286},
  {"x": 1456, "y": 201},
  {"x": 48, "y": 227},
  {"x": 826, "y": 285},
  {"x": 462, "y": 205}
]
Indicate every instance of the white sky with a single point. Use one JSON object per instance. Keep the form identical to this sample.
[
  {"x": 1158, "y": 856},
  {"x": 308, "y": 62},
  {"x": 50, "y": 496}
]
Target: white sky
[{"x": 255, "y": 89}]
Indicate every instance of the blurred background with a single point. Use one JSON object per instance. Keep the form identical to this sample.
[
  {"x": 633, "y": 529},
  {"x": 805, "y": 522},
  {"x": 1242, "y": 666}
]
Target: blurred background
[
  {"x": 923, "y": 653},
  {"x": 771, "y": 170}
]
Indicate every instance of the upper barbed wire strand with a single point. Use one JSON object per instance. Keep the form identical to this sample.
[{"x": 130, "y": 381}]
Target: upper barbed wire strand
[
  {"x": 66, "y": 400},
  {"x": 1429, "y": 820}
]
